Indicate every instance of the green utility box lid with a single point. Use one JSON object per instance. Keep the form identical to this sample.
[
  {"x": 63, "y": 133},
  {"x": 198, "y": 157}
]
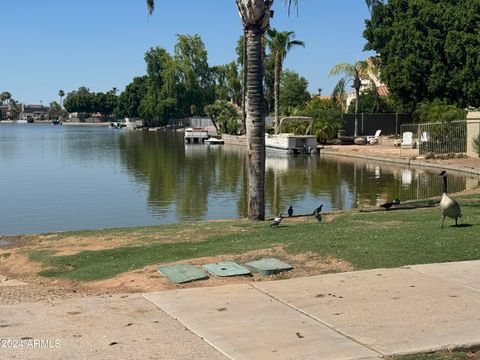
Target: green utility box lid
[
  {"x": 179, "y": 274},
  {"x": 226, "y": 268},
  {"x": 268, "y": 266}
]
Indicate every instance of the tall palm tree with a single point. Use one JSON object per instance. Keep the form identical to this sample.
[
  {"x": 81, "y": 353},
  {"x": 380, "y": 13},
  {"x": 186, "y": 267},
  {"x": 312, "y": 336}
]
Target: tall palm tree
[
  {"x": 280, "y": 43},
  {"x": 353, "y": 72},
  {"x": 255, "y": 16},
  {"x": 61, "y": 93}
]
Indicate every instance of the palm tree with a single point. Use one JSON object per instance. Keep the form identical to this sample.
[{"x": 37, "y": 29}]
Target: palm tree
[
  {"x": 61, "y": 93},
  {"x": 353, "y": 72},
  {"x": 280, "y": 43},
  {"x": 4, "y": 97},
  {"x": 255, "y": 16}
]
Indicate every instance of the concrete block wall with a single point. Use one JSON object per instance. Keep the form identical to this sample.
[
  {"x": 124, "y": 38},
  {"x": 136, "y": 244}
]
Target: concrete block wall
[{"x": 473, "y": 129}]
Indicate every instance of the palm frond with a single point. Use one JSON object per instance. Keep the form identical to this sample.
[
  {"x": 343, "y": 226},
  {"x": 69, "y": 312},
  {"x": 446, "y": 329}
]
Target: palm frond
[
  {"x": 343, "y": 68},
  {"x": 150, "y": 6},
  {"x": 291, "y": 3}
]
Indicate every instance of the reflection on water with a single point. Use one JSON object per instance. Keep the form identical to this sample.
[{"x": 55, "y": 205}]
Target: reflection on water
[{"x": 60, "y": 178}]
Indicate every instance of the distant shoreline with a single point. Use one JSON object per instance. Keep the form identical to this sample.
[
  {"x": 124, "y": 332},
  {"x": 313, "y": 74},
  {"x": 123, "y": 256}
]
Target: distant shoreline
[{"x": 9, "y": 122}]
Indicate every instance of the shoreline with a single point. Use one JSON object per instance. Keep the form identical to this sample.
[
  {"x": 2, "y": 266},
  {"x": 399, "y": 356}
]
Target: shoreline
[{"x": 403, "y": 161}]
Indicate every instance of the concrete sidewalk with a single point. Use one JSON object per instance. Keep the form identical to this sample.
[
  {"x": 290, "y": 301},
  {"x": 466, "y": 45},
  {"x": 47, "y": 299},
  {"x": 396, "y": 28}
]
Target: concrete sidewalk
[{"x": 356, "y": 315}]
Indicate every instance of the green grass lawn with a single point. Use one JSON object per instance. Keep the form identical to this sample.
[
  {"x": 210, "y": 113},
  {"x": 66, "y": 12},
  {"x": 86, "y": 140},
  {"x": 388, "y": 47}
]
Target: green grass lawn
[{"x": 365, "y": 240}]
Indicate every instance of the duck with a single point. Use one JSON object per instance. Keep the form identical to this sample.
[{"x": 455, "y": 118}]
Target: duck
[
  {"x": 388, "y": 205},
  {"x": 448, "y": 205},
  {"x": 277, "y": 220},
  {"x": 290, "y": 211},
  {"x": 317, "y": 213}
]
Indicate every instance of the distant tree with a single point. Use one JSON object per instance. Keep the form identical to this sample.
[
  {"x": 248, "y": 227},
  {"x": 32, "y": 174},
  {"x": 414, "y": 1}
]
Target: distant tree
[
  {"x": 294, "y": 92},
  {"x": 195, "y": 75},
  {"x": 61, "y": 93},
  {"x": 105, "y": 103},
  {"x": 81, "y": 100},
  {"x": 5, "y": 97},
  {"x": 428, "y": 49},
  {"x": 55, "y": 109},
  {"x": 227, "y": 83},
  {"x": 164, "y": 89},
  {"x": 130, "y": 99},
  {"x": 280, "y": 43},
  {"x": 14, "y": 109}
]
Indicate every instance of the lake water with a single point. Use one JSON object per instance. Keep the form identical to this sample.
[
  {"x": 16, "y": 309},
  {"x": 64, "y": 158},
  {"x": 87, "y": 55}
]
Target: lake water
[{"x": 78, "y": 177}]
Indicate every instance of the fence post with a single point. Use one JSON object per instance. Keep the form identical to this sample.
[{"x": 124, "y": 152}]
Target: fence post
[
  {"x": 363, "y": 130},
  {"x": 397, "y": 128},
  {"x": 473, "y": 129}
]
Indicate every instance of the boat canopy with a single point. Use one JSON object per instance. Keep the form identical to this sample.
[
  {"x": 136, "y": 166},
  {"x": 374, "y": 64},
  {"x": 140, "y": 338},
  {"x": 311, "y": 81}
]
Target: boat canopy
[{"x": 295, "y": 118}]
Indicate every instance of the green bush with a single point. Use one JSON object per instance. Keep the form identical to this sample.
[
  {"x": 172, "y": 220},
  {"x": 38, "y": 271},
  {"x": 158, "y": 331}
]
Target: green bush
[{"x": 438, "y": 111}]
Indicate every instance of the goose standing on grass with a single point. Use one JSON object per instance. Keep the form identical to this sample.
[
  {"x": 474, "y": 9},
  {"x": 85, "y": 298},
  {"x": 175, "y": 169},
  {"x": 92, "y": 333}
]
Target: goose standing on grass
[
  {"x": 448, "y": 205},
  {"x": 290, "y": 211},
  {"x": 277, "y": 220},
  {"x": 318, "y": 213}
]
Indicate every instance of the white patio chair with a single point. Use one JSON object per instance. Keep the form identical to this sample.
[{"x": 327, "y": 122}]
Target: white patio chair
[
  {"x": 373, "y": 139},
  {"x": 407, "y": 139}
]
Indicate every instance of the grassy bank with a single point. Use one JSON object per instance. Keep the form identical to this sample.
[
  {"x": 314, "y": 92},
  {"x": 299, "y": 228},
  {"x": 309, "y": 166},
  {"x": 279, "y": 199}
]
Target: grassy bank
[{"x": 365, "y": 240}]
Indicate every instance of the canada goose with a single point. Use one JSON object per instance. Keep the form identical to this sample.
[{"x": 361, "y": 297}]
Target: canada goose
[
  {"x": 448, "y": 205},
  {"x": 388, "y": 205},
  {"x": 290, "y": 211},
  {"x": 277, "y": 220},
  {"x": 317, "y": 213}
]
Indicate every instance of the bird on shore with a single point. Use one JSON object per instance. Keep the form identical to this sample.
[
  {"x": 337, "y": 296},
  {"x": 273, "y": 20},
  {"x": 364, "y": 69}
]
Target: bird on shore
[
  {"x": 277, "y": 220},
  {"x": 290, "y": 211},
  {"x": 388, "y": 205},
  {"x": 317, "y": 213},
  {"x": 448, "y": 205}
]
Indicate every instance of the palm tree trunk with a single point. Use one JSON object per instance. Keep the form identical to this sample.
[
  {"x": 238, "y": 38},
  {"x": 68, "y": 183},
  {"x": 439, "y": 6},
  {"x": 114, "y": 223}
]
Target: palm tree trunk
[
  {"x": 255, "y": 123},
  {"x": 244, "y": 87},
  {"x": 278, "y": 71},
  {"x": 357, "y": 92}
]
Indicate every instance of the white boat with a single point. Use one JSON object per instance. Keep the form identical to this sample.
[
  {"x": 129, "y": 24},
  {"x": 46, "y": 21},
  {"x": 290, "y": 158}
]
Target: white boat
[
  {"x": 213, "y": 141},
  {"x": 196, "y": 135},
  {"x": 291, "y": 143}
]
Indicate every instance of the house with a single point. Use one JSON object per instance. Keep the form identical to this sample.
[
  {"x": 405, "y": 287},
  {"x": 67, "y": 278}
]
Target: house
[
  {"x": 372, "y": 78},
  {"x": 35, "y": 112}
]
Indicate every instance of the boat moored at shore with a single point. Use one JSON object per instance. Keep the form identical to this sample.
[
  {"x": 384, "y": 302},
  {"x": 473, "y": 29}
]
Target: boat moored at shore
[{"x": 291, "y": 143}]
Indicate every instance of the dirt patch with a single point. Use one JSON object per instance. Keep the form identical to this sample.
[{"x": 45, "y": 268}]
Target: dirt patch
[
  {"x": 70, "y": 245},
  {"x": 148, "y": 279}
]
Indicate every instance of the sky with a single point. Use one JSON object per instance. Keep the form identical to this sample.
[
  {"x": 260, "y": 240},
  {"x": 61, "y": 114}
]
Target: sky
[{"x": 50, "y": 45}]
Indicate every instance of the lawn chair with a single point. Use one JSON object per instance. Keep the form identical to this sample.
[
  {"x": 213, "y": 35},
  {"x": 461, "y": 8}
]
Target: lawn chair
[
  {"x": 407, "y": 139},
  {"x": 373, "y": 139}
]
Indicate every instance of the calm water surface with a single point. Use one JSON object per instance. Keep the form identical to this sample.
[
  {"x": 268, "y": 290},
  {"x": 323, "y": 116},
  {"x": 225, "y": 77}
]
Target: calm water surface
[{"x": 71, "y": 177}]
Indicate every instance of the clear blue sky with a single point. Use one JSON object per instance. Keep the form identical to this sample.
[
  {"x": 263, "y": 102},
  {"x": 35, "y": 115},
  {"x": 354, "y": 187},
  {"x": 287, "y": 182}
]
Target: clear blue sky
[{"x": 56, "y": 44}]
